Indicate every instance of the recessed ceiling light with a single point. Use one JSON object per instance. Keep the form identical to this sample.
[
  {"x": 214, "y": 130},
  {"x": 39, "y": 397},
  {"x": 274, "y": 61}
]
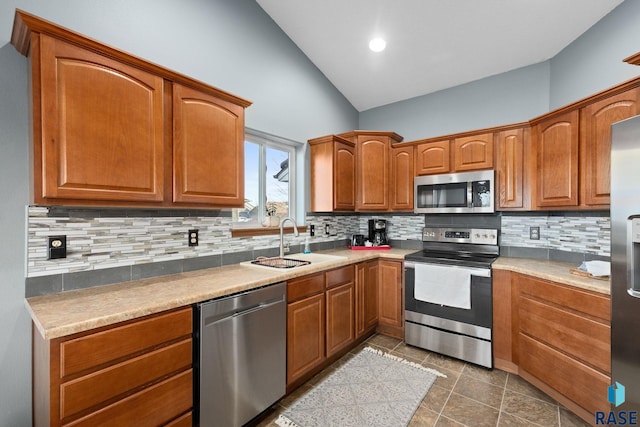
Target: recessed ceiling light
[{"x": 377, "y": 44}]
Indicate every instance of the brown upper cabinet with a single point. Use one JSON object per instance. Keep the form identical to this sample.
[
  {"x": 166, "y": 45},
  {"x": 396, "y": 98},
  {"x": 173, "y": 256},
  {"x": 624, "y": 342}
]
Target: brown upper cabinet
[
  {"x": 208, "y": 149},
  {"x": 363, "y": 170},
  {"x": 595, "y": 143},
  {"x": 332, "y": 171},
  {"x": 111, "y": 129},
  {"x": 401, "y": 185},
  {"x": 459, "y": 154},
  {"x": 556, "y": 147},
  {"x": 473, "y": 152},
  {"x": 512, "y": 183},
  {"x": 433, "y": 157},
  {"x": 372, "y": 168},
  {"x": 573, "y": 150}
]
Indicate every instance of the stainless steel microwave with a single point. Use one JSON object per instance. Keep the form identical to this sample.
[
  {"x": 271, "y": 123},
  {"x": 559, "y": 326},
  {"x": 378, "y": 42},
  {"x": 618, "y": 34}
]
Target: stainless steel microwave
[{"x": 466, "y": 192}]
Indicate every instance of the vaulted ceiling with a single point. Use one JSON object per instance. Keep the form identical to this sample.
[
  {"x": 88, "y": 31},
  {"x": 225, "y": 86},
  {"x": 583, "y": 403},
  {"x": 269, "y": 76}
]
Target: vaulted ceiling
[{"x": 431, "y": 44}]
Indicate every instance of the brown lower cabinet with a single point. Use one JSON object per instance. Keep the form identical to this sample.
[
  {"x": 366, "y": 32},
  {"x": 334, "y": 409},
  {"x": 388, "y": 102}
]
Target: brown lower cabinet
[
  {"x": 555, "y": 336},
  {"x": 391, "y": 298},
  {"x": 132, "y": 373},
  {"x": 329, "y": 313}
]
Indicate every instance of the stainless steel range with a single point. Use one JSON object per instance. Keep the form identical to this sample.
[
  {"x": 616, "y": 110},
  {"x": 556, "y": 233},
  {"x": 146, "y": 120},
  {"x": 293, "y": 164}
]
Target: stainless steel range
[{"x": 448, "y": 293}]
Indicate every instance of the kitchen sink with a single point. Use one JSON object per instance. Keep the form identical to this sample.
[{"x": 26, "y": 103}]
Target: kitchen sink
[{"x": 293, "y": 261}]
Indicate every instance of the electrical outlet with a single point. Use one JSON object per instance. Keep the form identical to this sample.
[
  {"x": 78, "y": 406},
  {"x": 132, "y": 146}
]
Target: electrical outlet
[
  {"x": 534, "y": 233},
  {"x": 312, "y": 230},
  {"x": 327, "y": 229},
  {"x": 57, "y": 247},
  {"x": 193, "y": 237}
]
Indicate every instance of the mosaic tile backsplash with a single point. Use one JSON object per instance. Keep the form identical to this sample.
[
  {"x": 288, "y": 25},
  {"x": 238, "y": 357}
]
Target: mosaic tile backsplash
[
  {"x": 581, "y": 234},
  {"x": 103, "y": 242}
]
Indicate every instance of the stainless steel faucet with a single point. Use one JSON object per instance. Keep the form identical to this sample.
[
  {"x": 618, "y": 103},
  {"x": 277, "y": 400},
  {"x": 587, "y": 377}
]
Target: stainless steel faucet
[{"x": 295, "y": 232}]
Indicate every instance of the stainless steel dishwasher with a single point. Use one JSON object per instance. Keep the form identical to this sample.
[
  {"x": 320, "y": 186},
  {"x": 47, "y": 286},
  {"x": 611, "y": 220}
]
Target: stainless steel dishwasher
[{"x": 241, "y": 355}]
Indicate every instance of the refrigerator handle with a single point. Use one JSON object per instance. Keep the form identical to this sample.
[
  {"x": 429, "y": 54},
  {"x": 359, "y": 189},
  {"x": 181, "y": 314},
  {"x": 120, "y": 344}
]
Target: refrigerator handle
[{"x": 633, "y": 255}]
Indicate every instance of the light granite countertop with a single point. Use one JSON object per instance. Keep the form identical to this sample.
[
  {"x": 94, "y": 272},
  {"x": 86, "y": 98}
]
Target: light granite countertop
[
  {"x": 71, "y": 312},
  {"x": 554, "y": 271}
]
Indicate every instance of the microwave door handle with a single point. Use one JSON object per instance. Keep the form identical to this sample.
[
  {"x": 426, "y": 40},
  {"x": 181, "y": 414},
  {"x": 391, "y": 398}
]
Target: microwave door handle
[{"x": 469, "y": 194}]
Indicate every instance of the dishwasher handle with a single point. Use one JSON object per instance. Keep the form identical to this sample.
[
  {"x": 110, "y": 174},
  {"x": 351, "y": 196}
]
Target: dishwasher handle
[
  {"x": 210, "y": 320},
  {"x": 213, "y": 310}
]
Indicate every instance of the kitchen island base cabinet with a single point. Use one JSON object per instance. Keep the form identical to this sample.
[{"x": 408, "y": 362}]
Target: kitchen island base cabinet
[{"x": 134, "y": 373}]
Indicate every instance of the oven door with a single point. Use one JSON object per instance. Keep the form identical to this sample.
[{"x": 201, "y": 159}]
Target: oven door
[
  {"x": 480, "y": 313},
  {"x": 457, "y": 332}
]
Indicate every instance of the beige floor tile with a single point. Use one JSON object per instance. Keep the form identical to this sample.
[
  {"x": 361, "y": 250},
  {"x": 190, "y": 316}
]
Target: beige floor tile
[
  {"x": 491, "y": 376},
  {"x": 517, "y": 384},
  {"x": 423, "y": 417},
  {"x": 530, "y": 409},
  {"x": 508, "y": 420},
  {"x": 452, "y": 376},
  {"x": 481, "y": 391},
  {"x": 448, "y": 422},
  {"x": 470, "y": 412},
  {"x": 411, "y": 353},
  {"x": 384, "y": 341},
  {"x": 446, "y": 362},
  {"x": 435, "y": 399},
  {"x": 569, "y": 419}
]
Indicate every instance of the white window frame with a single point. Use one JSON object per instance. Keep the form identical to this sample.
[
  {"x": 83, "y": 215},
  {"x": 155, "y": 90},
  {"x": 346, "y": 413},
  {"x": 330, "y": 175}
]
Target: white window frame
[{"x": 295, "y": 149}]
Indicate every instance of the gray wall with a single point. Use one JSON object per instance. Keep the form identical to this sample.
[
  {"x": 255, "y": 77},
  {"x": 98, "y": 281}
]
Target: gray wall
[
  {"x": 507, "y": 98},
  {"x": 230, "y": 44},
  {"x": 15, "y": 332},
  {"x": 592, "y": 63}
]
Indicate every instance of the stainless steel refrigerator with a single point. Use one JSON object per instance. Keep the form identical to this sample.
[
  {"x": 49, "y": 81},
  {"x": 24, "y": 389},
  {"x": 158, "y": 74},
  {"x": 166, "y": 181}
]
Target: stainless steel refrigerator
[{"x": 625, "y": 260}]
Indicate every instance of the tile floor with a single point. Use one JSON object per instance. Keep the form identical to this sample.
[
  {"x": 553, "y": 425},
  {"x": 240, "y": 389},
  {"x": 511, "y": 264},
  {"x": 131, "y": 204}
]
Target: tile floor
[{"x": 469, "y": 396}]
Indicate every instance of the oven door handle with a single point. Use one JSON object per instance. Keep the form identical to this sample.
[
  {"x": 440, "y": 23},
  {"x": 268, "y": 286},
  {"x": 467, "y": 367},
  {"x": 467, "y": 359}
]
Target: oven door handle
[{"x": 475, "y": 271}]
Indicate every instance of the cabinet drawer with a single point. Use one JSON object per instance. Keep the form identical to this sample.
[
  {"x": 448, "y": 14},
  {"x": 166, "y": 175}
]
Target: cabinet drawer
[
  {"x": 580, "y": 383},
  {"x": 304, "y": 286},
  {"x": 578, "y": 336},
  {"x": 184, "y": 421},
  {"x": 340, "y": 276},
  {"x": 598, "y": 306},
  {"x": 97, "y": 349},
  {"x": 116, "y": 380},
  {"x": 151, "y": 407}
]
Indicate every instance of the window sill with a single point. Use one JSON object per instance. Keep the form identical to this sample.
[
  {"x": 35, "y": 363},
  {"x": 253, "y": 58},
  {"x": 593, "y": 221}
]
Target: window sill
[{"x": 263, "y": 231}]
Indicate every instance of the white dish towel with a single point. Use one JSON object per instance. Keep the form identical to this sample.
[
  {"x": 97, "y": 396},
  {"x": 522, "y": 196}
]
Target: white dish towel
[{"x": 450, "y": 286}]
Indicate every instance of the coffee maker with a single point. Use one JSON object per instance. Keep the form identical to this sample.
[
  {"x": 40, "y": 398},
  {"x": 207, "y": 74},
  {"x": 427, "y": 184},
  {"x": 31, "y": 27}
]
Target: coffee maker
[{"x": 378, "y": 232}]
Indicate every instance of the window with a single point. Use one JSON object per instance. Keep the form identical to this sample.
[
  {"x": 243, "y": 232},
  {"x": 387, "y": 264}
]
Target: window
[{"x": 269, "y": 181}]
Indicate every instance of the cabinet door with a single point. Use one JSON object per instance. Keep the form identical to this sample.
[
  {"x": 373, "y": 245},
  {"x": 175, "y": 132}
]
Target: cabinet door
[
  {"x": 401, "y": 186},
  {"x": 340, "y": 317},
  {"x": 595, "y": 143},
  {"x": 557, "y": 160},
  {"x": 433, "y": 157},
  {"x": 391, "y": 306},
  {"x": 208, "y": 149},
  {"x": 305, "y": 336},
  {"x": 510, "y": 169},
  {"x": 372, "y": 181},
  {"x": 344, "y": 177},
  {"x": 473, "y": 152},
  {"x": 99, "y": 130},
  {"x": 366, "y": 297}
]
